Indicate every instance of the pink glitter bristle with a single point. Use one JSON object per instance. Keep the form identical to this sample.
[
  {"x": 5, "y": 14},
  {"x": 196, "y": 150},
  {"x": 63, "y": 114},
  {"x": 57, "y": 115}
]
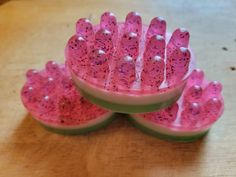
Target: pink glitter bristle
[
  {"x": 133, "y": 23},
  {"x": 103, "y": 41},
  {"x": 153, "y": 73},
  {"x": 129, "y": 45},
  {"x": 50, "y": 86},
  {"x": 212, "y": 109},
  {"x": 99, "y": 67},
  {"x": 156, "y": 27},
  {"x": 196, "y": 77},
  {"x": 180, "y": 38},
  {"x": 34, "y": 77},
  {"x": 191, "y": 115},
  {"x": 177, "y": 65},
  {"x": 143, "y": 43},
  {"x": 125, "y": 73},
  {"x": 193, "y": 94},
  {"x": 53, "y": 70},
  {"x": 84, "y": 28},
  {"x": 56, "y": 103},
  {"x": 108, "y": 21},
  {"x": 77, "y": 51},
  {"x": 30, "y": 96},
  {"x": 134, "y": 39},
  {"x": 155, "y": 46},
  {"x": 213, "y": 89},
  {"x": 47, "y": 106}
]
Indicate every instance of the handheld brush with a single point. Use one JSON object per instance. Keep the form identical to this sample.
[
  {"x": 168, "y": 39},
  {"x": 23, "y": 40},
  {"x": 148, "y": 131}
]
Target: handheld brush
[
  {"x": 129, "y": 67},
  {"x": 50, "y": 96},
  {"x": 191, "y": 116}
]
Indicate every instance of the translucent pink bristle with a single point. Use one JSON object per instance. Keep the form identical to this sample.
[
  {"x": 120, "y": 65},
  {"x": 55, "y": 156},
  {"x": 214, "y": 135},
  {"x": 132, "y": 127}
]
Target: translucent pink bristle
[
  {"x": 129, "y": 45},
  {"x": 133, "y": 23},
  {"x": 34, "y": 77},
  {"x": 153, "y": 73},
  {"x": 155, "y": 46},
  {"x": 193, "y": 94},
  {"x": 212, "y": 109},
  {"x": 196, "y": 77},
  {"x": 77, "y": 53},
  {"x": 179, "y": 38},
  {"x": 156, "y": 27},
  {"x": 108, "y": 21},
  {"x": 125, "y": 73},
  {"x": 50, "y": 86},
  {"x": 191, "y": 114},
  {"x": 47, "y": 106},
  {"x": 212, "y": 89},
  {"x": 77, "y": 47},
  {"x": 53, "y": 69},
  {"x": 84, "y": 28},
  {"x": 99, "y": 68},
  {"x": 30, "y": 96},
  {"x": 177, "y": 65},
  {"x": 103, "y": 41}
]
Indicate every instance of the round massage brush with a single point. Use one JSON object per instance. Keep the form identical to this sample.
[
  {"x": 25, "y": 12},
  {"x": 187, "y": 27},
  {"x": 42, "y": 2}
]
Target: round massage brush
[
  {"x": 50, "y": 96},
  {"x": 191, "y": 116},
  {"x": 129, "y": 67}
]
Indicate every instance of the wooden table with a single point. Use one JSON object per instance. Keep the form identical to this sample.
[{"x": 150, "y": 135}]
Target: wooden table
[{"x": 31, "y": 32}]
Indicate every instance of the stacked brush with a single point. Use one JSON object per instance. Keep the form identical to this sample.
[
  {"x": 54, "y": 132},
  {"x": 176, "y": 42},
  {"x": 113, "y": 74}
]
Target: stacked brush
[{"x": 125, "y": 67}]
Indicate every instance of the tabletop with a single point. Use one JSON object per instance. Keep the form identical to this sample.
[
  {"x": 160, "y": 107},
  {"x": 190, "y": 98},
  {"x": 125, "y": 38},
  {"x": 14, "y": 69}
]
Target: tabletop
[{"x": 32, "y": 32}]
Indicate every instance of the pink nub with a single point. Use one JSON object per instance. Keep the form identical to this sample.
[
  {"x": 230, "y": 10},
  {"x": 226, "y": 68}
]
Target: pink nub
[
  {"x": 153, "y": 73},
  {"x": 47, "y": 105},
  {"x": 177, "y": 65},
  {"x": 56, "y": 102},
  {"x": 131, "y": 38},
  {"x": 34, "y": 77},
  {"x": 125, "y": 73},
  {"x": 99, "y": 68},
  {"x": 155, "y": 46},
  {"x": 193, "y": 94},
  {"x": 213, "y": 88},
  {"x": 133, "y": 23},
  {"x": 30, "y": 96},
  {"x": 157, "y": 27},
  {"x": 84, "y": 28},
  {"x": 196, "y": 77},
  {"x": 108, "y": 21},
  {"x": 77, "y": 53},
  {"x": 130, "y": 45},
  {"x": 191, "y": 115},
  {"x": 53, "y": 69},
  {"x": 103, "y": 41},
  {"x": 77, "y": 47},
  {"x": 212, "y": 108},
  {"x": 180, "y": 38}
]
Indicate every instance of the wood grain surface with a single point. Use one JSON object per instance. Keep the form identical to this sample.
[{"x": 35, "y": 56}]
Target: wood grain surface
[{"x": 34, "y": 31}]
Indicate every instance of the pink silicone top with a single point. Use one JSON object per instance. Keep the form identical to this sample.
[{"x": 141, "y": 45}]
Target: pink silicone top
[
  {"x": 50, "y": 96},
  {"x": 198, "y": 108},
  {"x": 129, "y": 57}
]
